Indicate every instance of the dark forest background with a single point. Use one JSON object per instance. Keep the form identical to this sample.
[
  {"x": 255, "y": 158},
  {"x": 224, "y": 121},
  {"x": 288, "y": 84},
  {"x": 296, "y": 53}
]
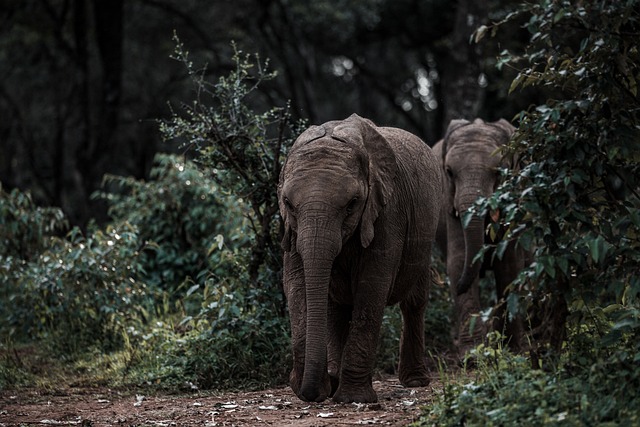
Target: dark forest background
[{"x": 83, "y": 82}]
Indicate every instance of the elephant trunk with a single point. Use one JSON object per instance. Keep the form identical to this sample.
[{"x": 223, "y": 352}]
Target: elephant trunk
[
  {"x": 473, "y": 241},
  {"x": 318, "y": 249}
]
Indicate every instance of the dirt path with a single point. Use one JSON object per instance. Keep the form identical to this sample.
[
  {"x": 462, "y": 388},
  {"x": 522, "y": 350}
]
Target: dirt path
[{"x": 397, "y": 406}]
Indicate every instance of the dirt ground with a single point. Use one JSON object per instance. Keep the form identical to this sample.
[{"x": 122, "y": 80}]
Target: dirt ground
[{"x": 397, "y": 406}]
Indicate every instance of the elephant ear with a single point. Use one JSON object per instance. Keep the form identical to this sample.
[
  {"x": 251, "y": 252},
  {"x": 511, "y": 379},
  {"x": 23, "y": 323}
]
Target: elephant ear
[
  {"x": 453, "y": 126},
  {"x": 288, "y": 240},
  {"x": 382, "y": 170},
  {"x": 506, "y": 130},
  {"x": 311, "y": 134}
]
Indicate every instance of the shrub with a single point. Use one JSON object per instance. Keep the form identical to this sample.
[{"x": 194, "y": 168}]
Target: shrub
[
  {"x": 24, "y": 227},
  {"x": 71, "y": 292},
  {"x": 181, "y": 214},
  {"x": 245, "y": 148},
  {"x": 78, "y": 293},
  {"x": 238, "y": 338},
  {"x": 575, "y": 204},
  {"x": 504, "y": 390},
  {"x": 575, "y": 201}
]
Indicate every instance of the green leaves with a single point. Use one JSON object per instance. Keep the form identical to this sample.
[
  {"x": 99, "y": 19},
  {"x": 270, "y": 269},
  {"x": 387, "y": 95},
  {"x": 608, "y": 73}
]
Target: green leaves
[
  {"x": 599, "y": 248},
  {"x": 574, "y": 202},
  {"x": 241, "y": 148}
]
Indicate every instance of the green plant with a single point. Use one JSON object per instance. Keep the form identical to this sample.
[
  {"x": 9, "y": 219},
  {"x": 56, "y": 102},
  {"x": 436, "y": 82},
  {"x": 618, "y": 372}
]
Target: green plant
[
  {"x": 504, "y": 390},
  {"x": 575, "y": 202},
  {"x": 243, "y": 149},
  {"x": 69, "y": 293},
  {"x": 78, "y": 293},
  {"x": 181, "y": 214},
  {"x": 238, "y": 338},
  {"x": 25, "y": 227}
]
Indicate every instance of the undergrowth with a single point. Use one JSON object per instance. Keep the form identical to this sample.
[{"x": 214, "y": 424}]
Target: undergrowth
[{"x": 590, "y": 387}]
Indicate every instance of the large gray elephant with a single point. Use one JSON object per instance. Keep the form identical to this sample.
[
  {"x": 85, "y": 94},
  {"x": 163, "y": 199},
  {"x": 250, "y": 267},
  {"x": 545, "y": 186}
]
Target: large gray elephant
[
  {"x": 470, "y": 156},
  {"x": 360, "y": 205}
]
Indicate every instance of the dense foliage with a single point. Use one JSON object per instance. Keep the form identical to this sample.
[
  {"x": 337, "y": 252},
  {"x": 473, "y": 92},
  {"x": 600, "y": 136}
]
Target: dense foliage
[
  {"x": 73, "y": 293},
  {"x": 240, "y": 147},
  {"x": 182, "y": 216},
  {"x": 575, "y": 201},
  {"x": 505, "y": 391},
  {"x": 575, "y": 204}
]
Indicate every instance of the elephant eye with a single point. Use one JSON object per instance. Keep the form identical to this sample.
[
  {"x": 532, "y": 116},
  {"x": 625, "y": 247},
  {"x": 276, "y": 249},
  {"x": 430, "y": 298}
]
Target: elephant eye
[
  {"x": 352, "y": 205},
  {"x": 449, "y": 172},
  {"x": 288, "y": 204}
]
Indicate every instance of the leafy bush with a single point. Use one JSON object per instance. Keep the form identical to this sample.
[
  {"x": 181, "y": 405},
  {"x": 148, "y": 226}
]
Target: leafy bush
[
  {"x": 182, "y": 216},
  {"x": 244, "y": 148},
  {"x": 506, "y": 391},
  {"x": 238, "y": 338},
  {"x": 575, "y": 202},
  {"x": 240, "y": 335},
  {"x": 25, "y": 227},
  {"x": 71, "y": 293},
  {"x": 78, "y": 293}
]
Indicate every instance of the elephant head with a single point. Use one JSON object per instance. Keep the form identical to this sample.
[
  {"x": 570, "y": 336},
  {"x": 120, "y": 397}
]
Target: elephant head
[
  {"x": 471, "y": 158},
  {"x": 336, "y": 179}
]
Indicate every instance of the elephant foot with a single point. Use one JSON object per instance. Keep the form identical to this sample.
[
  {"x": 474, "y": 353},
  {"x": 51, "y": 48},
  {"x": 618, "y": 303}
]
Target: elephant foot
[
  {"x": 362, "y": 393},
  {"x": 419, "y": 379},
  {"x": 335, "y": 382}
]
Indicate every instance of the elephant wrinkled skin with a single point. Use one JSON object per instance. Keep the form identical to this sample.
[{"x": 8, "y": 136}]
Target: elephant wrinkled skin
[
  {"x": 360, "y": 205},
  {"x": 470, "y": 156}
]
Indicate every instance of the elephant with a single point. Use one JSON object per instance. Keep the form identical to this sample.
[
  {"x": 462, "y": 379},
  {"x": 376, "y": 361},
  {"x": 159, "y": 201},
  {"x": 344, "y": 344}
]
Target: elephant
[
  {"x": 469, "y": 155},
  {"x": 360, "y": 206}
]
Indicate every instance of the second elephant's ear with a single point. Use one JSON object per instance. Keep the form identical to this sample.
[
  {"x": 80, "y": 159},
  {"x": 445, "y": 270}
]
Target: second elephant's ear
[
  {"x": 506, "y": 130},
  {"x": 382, "y": 172},
  {"x": 505, "y": 127}
]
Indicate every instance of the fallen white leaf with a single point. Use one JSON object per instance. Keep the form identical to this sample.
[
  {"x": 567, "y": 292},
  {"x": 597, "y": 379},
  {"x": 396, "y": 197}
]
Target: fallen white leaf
[
  {"x": 325, "y": 414},
  {"x": 139, "y": 399},
  {"x": 229, "y": 405},
  {"x": 267, "y": 408}
]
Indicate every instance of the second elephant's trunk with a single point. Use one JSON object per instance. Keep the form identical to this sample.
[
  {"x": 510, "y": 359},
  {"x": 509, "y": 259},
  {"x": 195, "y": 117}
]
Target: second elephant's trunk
[{"x": 473, "y": 241}]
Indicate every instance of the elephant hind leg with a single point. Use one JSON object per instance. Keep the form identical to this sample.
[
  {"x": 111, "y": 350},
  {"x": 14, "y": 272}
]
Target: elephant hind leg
[{"x": 413, "y": 368}]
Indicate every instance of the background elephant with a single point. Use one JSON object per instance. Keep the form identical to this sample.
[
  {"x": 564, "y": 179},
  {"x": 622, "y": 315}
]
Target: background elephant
[
  {"x": 470, "y": 156},
  {"x": 360, "y": 205}
]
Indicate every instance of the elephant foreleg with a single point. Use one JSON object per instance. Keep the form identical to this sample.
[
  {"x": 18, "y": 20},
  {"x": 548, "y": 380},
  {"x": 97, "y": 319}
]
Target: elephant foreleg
[
  {"x": 413, "y": 369},
  {"x": 359, "y": 355},
  {"x": 339, "y": 317},
  {"x": 297, "y": 303},
  {"x": 470, "y": 329}
]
